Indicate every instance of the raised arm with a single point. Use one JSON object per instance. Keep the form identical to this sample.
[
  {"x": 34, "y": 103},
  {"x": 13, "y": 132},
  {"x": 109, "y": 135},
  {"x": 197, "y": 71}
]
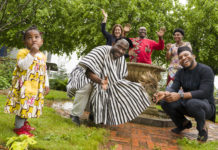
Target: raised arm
[
  {"x": 126, "y": 29},
  {"x": 105, "y": 16},
  {"x": 103, "y": 25},
  {"x": 160, "y": 44},
  {"x": 25, "y": 62}
]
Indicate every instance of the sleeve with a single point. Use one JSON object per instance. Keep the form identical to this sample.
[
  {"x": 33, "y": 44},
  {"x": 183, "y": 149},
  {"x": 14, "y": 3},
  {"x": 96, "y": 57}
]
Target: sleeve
[
  {"x": 94, "y": 60},
  {"x": 24, "y": 63},
  {"x": 46, "y": 80},
  {"x": 103, "y": 30},
  {"x": 176, "y": 83},
  {"x": 206, "y": 84},
  {"x": 159, "y": 45}
]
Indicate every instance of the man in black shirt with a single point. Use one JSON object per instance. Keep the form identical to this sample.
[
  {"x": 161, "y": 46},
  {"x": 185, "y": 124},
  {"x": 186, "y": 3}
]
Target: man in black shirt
[{"x": 197, "y": 101}]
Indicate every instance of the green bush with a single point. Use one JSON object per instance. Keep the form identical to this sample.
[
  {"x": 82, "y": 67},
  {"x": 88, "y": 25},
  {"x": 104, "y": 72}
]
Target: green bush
[
  {"x": 6, "y": 69},
  {"x": 58, "y": 84},
  {"x": 4, "y": 84}
]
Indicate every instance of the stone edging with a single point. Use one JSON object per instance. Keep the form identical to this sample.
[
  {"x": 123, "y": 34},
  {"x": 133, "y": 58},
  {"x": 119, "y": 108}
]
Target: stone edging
[{"x": 160, "y": 122}]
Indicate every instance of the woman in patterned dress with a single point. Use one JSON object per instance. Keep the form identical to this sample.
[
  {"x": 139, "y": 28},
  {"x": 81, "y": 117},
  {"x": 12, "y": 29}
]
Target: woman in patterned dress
[
  {"x": 171, "y": 54},
  {"x": 29, "y": 83}
]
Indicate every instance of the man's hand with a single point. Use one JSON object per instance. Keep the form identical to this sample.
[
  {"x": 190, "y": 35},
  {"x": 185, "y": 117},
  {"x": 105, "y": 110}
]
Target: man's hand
[
  {"x": 172, "y": 97},
  {"x": 161, "y": 32},
  {"x": 104, "y": 83},
  {"x": 127, "y": 28},
  {"x": 47, "y": 90},
  {"x": 158, "y": 96}
]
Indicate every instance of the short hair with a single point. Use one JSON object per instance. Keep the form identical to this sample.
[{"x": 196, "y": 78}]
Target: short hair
[
  {"x": 184, "y": 48},
  {"x": 33, "y": 27},
  {"x": 127, "y": 39},
  {"x": 179, "y": 30},
  {"x": 120, "y": 26},
  {"x": 143, "y": 28}
]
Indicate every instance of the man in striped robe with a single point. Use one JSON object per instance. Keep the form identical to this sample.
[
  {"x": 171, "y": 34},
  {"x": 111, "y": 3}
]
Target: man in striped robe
[{"x": 99, "y": 78}]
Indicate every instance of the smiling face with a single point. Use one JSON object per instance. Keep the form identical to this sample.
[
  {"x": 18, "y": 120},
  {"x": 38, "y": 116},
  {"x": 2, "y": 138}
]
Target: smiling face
[
  {"x": 142, "y": 32},
  {"x": 187, "y": 60},
  {"x": 119, "y": 48},
  {"x": 177, "y": 37},
  {"x": 117, "y": 32}
]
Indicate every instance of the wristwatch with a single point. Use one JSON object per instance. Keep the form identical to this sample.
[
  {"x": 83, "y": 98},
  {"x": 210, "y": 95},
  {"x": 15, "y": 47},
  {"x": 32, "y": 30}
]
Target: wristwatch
[{"x": 181, "y": 95}]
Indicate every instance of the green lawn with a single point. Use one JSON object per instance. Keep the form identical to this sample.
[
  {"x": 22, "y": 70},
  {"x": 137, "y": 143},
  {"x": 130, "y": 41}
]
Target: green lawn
[
  {"x": 57, "y": 95},
  {"x": 54, "y": 132},
  {"x": 186, "y": 144}
]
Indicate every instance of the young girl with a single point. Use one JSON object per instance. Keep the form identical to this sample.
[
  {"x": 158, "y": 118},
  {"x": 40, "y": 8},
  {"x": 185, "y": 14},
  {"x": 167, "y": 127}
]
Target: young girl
[{"x": 29, "y": 83}]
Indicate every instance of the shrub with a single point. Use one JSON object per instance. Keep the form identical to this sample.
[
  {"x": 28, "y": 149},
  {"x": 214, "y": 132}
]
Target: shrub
[
  {"x": 58, "y": 84},
  {"x": 4, "y": 84},
  {"x": 6, "y": 70},
  {"x": 20, "y": 142}
]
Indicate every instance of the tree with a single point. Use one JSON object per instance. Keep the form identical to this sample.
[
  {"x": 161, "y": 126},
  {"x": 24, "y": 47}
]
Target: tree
[
  {"x": 15, "y": 15},
  {"x": 201, "y": 23},
  {"x": 70, "y": 25}
]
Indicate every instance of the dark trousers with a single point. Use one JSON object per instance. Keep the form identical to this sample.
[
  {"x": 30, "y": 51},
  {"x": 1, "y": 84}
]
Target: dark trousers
[{"x": 196, "y": 108}]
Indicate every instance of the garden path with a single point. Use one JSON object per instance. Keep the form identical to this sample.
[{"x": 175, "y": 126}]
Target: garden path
[{"x": 132, "y": 136}]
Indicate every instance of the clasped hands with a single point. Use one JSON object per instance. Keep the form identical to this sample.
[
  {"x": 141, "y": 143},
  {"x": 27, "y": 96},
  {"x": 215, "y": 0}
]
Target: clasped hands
[
  {"x": 104, "y": 83},
  {"x": 167, "y": 96}
]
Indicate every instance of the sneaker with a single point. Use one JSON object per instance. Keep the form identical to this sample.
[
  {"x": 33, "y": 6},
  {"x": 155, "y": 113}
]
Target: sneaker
[
  {"x": 75, "y": 119},
  {"x": 203, "y": 135},
  {"x": 22, "y": 130},
  {"x": 27, "y": 126},
  {"x": 178, "y": 130}
]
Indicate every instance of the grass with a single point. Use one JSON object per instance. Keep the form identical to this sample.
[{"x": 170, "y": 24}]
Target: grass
[
  {"x": 186, "y": 144},
  {"x": 54, "y": 132},
  {"x": 57, "y": 95},
  {"x": 158, "y": 107}
]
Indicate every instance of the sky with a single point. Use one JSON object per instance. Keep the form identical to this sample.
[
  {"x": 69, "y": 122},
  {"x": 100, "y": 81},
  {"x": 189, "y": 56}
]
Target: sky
[{"x": 183, "y": 1}]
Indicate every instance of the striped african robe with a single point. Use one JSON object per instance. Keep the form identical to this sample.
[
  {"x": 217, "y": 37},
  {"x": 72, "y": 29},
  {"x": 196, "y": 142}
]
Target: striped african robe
[{"x": 122, "y": 101}]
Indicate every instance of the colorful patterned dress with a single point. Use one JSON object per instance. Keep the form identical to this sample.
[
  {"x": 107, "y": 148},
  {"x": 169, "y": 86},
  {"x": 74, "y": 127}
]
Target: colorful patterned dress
[
  {"x": 174, "y": 64},
  {"x": 26, "y": 96}
]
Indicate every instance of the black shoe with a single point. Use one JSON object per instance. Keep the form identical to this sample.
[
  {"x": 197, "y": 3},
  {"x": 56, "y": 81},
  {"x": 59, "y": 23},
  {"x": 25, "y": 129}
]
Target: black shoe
[
  {"x": 203, "y": 135},
  {"x": 178, "y": 130},
  {"x": 91, "y": 117},
  {"x": 75, "y": 119}
]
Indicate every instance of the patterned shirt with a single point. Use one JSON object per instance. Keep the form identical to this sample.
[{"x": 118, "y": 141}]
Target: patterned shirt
[{"x": 143, "y": 49}]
